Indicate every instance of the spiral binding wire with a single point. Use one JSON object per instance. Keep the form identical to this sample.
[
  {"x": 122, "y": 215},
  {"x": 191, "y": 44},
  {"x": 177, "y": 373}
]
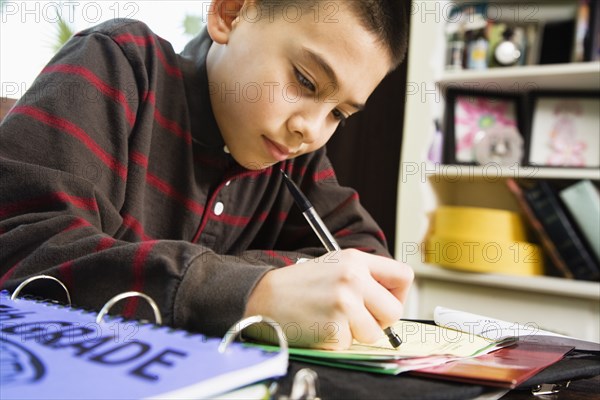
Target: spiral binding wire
[
  {"x": 34, "y": 278},
  {"x": 107, "y": 306}
]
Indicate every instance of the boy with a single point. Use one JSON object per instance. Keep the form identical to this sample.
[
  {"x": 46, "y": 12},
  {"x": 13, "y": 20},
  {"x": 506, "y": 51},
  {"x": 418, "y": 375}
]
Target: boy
[{"x": 128, "y": 167}]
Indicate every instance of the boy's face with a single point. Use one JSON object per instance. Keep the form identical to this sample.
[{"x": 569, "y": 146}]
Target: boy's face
[{"x": 280, "y": 87}]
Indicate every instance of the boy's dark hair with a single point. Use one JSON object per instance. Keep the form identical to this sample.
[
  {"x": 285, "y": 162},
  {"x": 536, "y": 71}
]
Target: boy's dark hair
[{"x": 386, "y": 19}]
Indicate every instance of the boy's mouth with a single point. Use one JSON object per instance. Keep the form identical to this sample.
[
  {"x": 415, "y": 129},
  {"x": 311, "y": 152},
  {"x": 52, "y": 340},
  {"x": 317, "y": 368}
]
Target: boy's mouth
[{"x": 278, "y": 151}]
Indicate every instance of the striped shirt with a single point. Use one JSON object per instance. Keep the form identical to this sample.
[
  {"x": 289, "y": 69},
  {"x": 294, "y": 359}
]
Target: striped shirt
[{"x": 114, "y": 177}]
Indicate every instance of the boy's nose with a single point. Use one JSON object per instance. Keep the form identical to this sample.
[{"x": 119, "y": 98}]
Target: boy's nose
[{"x": 306, "y": 127}]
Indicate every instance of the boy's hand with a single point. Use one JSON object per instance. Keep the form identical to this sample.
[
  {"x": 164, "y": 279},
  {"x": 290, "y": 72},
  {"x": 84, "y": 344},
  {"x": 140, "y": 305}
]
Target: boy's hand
[{"x": 329, "y": 301}]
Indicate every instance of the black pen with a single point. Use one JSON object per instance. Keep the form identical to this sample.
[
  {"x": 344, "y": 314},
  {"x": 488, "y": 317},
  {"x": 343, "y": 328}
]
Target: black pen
[
  {"x": 325, "y": 236},
  {"x": 315, "y": 222}
]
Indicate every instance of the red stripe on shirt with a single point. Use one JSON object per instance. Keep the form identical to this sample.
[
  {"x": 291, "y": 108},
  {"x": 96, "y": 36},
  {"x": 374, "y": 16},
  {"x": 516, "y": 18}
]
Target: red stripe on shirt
[
  {"x": 164, "y": 187},
  {"x": 237, "y": 220},
  {"x": 79, "y": 202},
  {"x": 9, "y": 273},
  {"x": 169, "y": 124},
  {"x": 135, "y": 226},
  {"x": 172, "y": 127},
  {"x": 326, "y": 174},
  {"x": 139, "y": 265},
  {"x": 139, "y": 158},
  {"x": 26, "y": 205},
  {"x": 275, "y": 255},
  {"x": 282, "y": 216},
  {"x": 369, "y": 250},
  {"x": 146, "y": 41},
  {"x": 105, "y": 242},
  {"x": 76, "y": 132},
  {"x": 115, "y": 94},
  {"x": 263, "y": 216},
  {"x": 78, "y": 223},
  {"x": 234, "y": 220},
  {"x": 380, "y": 235},
  {"x": 352, "y": 198},
  {"x": 288, "y": 167},
  {"x": 343, "y": 233},
  {"x": 66, "y": 273},
  {"x": 294, "y": 170}
]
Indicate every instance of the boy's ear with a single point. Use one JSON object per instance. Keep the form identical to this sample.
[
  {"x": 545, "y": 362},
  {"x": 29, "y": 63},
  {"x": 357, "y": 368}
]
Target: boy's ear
[{"x": 222, "y": 16}]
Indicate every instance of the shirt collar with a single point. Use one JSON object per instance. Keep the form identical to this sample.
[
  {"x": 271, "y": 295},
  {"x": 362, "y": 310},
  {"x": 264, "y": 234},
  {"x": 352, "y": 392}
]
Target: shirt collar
[{"x": 193, "y": 65}]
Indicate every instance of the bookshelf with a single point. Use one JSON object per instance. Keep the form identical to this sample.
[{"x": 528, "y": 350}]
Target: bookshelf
[
  {"x": 584, "y": 75},
  {"x": 565, "y": 306}
]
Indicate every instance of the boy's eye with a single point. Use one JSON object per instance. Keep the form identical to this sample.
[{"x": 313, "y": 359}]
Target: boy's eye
[
  {"x": 337, "y": 114},
  {"x": 304, "y": 81}
]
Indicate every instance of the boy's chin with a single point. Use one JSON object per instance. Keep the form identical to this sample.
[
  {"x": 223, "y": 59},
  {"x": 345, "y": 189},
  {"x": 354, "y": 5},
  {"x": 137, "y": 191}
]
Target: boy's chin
[{"x": 255, "y": 165}]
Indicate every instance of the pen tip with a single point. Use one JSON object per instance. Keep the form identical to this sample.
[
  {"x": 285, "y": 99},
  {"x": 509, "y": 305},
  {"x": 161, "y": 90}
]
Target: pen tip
[{"x": 393, "y": 337}]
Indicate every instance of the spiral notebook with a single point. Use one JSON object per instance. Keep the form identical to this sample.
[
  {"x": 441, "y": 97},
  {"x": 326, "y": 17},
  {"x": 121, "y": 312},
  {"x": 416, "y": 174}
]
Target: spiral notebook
[{"x": 51, "y": 351}]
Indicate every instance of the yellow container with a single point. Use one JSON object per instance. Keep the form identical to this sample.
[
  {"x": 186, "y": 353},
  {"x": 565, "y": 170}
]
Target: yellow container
[
  {"x": 480, "y": 223},
  {"x": 486, "y": 256},
  {"x": 482, "y": 240}
]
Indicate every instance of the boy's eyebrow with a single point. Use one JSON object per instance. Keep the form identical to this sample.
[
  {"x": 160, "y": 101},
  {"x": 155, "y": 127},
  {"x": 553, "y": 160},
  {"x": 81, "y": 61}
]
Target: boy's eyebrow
[
  {"x": 322, "y": 64},
  {"x": 327, "y": 70}
]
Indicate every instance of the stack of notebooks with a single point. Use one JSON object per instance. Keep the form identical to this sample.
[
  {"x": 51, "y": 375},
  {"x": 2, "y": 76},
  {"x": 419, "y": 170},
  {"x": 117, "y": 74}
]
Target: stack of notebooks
[
  {"x": 423, "y": 345},
  {"x": 458, "y": 346}
]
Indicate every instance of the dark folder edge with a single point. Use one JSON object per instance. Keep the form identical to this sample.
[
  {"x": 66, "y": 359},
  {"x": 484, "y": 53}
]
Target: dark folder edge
[{"x": 578, "y": 344}]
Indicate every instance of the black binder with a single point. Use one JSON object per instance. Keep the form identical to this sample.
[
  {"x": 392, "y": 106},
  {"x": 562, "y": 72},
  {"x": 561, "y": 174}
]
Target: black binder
[{"x": 334, "y": 383}]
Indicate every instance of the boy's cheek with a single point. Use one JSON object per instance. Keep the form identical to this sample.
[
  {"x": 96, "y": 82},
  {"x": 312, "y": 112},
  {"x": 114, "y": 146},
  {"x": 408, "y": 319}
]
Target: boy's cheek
[{"x": 313, "y": 147}]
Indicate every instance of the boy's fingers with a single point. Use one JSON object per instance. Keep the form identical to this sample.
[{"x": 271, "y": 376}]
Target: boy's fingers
[
  {"x": 378, "y": 290},
  {"x": 363, "y": 326},
  {"x": 385, "y": 288},
  {"x": 396, "y": 277},
  {"x": 385, "y": 307}
]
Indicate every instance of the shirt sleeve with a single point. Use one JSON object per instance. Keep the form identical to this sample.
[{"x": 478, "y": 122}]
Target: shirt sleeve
[{"x": 64, "y": 182}]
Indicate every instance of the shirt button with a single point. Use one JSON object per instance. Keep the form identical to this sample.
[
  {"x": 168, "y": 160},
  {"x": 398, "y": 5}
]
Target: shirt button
[{"x": 219, "y": 207}]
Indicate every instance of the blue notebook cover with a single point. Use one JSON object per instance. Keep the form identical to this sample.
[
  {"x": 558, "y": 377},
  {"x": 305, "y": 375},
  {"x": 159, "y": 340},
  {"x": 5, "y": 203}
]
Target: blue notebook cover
[{"x": 49, "y": 351}]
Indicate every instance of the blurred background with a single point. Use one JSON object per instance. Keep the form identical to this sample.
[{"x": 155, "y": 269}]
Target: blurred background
[{"x": 42, "y": 27}]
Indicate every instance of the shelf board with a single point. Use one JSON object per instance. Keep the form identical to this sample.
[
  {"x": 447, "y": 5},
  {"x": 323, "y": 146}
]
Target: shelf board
[
  {"x": 537, "y": 284},
  {"x": 492, "y": 172},
  {"x": 574, "y": 76}
]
